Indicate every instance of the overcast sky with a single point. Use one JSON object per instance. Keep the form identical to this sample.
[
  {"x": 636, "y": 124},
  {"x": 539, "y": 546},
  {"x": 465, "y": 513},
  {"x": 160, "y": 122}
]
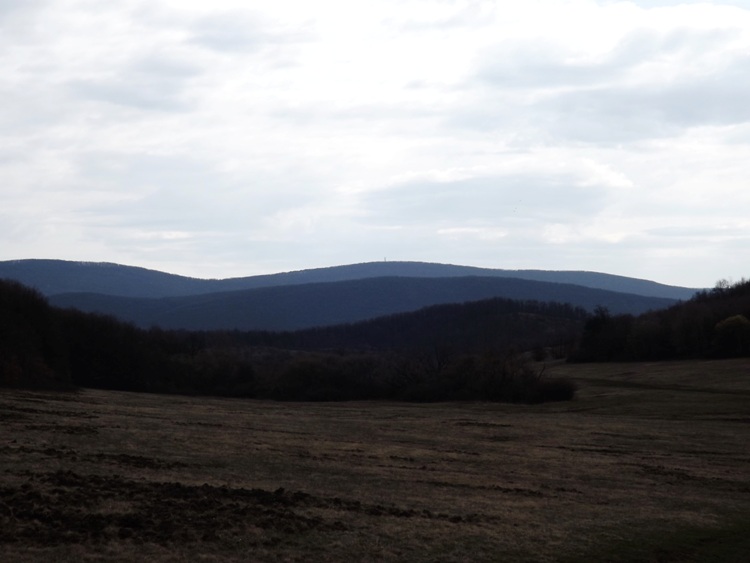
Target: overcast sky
[{"x": 230, "y": 138}]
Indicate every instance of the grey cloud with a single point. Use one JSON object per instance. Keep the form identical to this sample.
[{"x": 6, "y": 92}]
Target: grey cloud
[
  {"x": 159, "y": 66},
  {"x": 682, "y": 232},
  {"x": 719, "y": 100},
  {"x": 594, "y": 103},
  {"x": 121, "y": 92},
  {"x": 32, "y": 108},
  {"x": 538, "y": 66},
  {"x": 471, "y": 15},
  {"x": 611, "y": 115},
  {"x": 650, "y": 4},
  {"x": 229, "y": 33},
  {"x": 186, "y": 193},
  {"x": 739, "y": 135},
  {"x": 151, "y": 83},
  {"x": 20, "y": 23},
  {"x": 10, "y": 6},
  {"x": 240, "y": 32},
  {"x": 644, "y": 46},
  {"x": 605, "y": 117},
  {"x": 703, "y": 232},
  {"x": 11, "y": 11},
  {"x": 532, "y": 65},
  {"x": 489, "y": 200},
  {"x": 353, "y": 115}
]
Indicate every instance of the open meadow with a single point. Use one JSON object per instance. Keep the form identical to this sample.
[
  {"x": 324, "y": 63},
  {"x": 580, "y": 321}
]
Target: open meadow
[{"x": 650, "y": 462}]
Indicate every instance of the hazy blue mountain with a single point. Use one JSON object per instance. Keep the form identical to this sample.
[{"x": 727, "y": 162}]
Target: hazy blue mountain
[
  {"x": 53, "y": 277},
  {"x": 292, "y": 307}
]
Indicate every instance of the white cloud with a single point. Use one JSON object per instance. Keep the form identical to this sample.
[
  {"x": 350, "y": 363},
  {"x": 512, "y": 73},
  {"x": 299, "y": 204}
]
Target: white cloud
[
  {"x": 481, "y": 233},
  {"x": 226, "y": 138}
]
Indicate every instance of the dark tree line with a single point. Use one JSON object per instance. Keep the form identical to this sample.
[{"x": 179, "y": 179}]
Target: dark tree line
[
  {"x": 465, "y": 328},
  {"x": 33, "y": 350},
  {"x": 458, "y": 352},
  {"x": 713, "y": 324}
]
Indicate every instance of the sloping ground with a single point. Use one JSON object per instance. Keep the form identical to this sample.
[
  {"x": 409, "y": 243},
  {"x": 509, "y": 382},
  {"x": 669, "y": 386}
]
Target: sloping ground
[
  {"x": 649, "y": 463},
  {"x": 325, "y": 304}
]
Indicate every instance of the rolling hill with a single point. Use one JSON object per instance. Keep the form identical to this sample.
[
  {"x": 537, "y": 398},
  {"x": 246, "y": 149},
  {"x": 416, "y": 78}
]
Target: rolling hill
[
  {"x": 318, "y": 297},
  {"x": 406, "y": 357},
  {"x": 309, "y": 305},
  {"x": 53, "y": 277}
]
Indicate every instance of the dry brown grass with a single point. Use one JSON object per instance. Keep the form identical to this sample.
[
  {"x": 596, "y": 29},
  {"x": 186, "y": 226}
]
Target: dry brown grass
[{"x": 647, "y": 458}]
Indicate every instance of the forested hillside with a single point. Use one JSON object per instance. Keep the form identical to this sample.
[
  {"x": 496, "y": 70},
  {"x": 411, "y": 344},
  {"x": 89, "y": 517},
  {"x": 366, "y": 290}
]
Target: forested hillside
[
  {"x": 472, "y": 327},
  {"x": 297, "y": 307},
  {"x": 423, "y": 358},
  {"x": 713, "y": 323}
]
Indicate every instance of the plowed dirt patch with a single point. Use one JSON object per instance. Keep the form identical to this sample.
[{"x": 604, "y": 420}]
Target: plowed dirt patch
[{"x": 66, "y": 507}]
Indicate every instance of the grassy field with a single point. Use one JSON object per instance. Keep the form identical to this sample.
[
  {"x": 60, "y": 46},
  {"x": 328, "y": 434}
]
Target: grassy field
[{"x": 651, "y": 462}]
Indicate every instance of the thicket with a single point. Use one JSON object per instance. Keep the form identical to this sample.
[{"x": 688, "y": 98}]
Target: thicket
[
  {"x": 33, "y": 351},
  {"x": 41, "y": 346},
  {"x": 425, "y": 376},
  {"x": 713, "y": 324}
]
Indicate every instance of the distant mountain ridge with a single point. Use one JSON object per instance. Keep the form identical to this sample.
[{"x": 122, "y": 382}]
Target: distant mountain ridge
[
  {"x": 53, "y": 277},
  {"x": 318, "y": 297},
  {"x": 301, "y": 306}
]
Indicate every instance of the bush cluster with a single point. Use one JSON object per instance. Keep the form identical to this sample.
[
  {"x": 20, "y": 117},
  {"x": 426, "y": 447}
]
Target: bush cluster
[
  {"x": 420, "y": 376},
  {"x": 713, "y": 324}
]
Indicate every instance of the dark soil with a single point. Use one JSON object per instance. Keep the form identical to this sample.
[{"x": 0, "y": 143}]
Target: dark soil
[{"x": 49, "y": 509}]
